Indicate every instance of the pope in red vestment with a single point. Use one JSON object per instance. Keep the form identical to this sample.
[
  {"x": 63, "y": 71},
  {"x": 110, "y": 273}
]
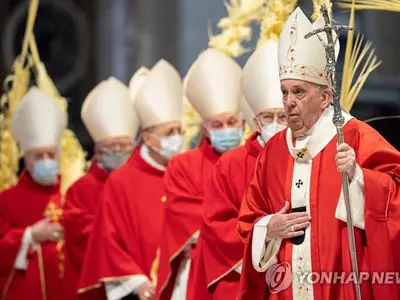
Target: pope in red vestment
[
  {"x": 31, "y": 237},
  {"x": 293, "y": 215},
  {"x": 121, "y": 254},
  {"x": 212, "y": 87},
  {"x": 112, "y": 125}
]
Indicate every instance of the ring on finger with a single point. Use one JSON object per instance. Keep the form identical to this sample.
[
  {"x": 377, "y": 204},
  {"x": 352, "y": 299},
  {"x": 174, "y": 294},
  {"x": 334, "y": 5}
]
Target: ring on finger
[
  {"x": 56, "y": 234},
  {"x": 291, "y": 228}
]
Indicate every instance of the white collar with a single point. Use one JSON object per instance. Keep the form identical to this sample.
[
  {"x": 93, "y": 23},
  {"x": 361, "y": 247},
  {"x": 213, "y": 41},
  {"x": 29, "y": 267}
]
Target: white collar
[
  {"x": 145, "y": 154},
  {"x": 315, "y": 139}
]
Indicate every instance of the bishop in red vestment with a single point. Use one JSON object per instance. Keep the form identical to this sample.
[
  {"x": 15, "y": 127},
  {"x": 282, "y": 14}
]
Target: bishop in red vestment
[
  {"x": 122, "y": 249},
  {"x": 293, "y": 215},
  {"x": 212, "y": 87},
  {"x": 111, "y": 120},
  {"x": 221, "y": 246},
  {"x": 31, "y": 237}
]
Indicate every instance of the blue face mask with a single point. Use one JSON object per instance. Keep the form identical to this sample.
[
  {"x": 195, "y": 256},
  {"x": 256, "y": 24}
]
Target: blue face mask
[
  {"x": 226, "y": 139},
  {"x": 112, "y": 161},
  {"x": 45, "y": 172}
]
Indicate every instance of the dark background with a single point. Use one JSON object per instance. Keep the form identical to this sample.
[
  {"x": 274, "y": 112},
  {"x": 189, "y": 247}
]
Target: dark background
[{"x": 85, "y": 41}]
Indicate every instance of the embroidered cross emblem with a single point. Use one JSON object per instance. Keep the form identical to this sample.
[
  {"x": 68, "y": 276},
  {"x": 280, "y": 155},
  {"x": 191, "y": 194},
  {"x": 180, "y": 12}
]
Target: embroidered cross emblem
[
  {"x": 53, "y": 212},
  {"x": 299, "y": 183},
  {"x": 301, "y": 153}
]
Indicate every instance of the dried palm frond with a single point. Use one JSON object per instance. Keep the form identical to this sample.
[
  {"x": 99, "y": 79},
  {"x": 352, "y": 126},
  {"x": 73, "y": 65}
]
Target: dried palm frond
[
  {"x": 275, "y": 15},
  {"x": 388, "y": 5},
  {"x": 358, "y": 57},
  {"x": 235, "y": 28}
]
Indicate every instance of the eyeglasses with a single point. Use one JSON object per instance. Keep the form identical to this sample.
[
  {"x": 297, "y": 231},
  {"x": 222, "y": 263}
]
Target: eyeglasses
[{"x": 120, "y": 147}]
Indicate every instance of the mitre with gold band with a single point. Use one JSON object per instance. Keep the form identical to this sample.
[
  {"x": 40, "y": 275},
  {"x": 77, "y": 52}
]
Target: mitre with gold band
[
  {"x": 38, "y": 121},
  {"x": 159, "y": 99},
  {"x": 108, "y": 111},
  {"x": 301, "y": 58},
  {"x": 260, "y": 80},
  {"x": 213, "y": 84}
]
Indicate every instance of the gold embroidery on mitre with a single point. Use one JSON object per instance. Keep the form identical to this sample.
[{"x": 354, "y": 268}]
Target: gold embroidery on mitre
[{"x": 300, "y": 69}]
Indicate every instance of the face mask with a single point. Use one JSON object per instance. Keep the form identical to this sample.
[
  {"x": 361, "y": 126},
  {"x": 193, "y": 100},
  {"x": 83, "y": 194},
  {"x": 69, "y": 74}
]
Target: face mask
[
  {"x": 226, "y": 139},
  {"x": 112, "y": 161},
  {"x": 45, "y": 172},
  {"x": 171, "y": 145},
  {"x": 269, "y": 130}
]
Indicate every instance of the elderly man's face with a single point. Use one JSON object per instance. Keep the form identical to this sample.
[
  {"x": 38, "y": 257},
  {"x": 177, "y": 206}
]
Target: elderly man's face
[
  {"x": 223, "y": 121},
  {"x": 304, "y": 103},
  {"x": 152, "y": 136},
  {"x": 35, "y": 155}
]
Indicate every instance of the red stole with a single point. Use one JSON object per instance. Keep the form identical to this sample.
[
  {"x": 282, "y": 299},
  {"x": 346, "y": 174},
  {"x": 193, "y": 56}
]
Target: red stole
[
  {"x": 222, "y": 247},
  {"x": 82, "y": 199},
  {"x": 127, "y": 227},
  {"x": 185, "y": 181},
  {"x": 21, "y": 206},
  {"x": 376, "y": 245}
]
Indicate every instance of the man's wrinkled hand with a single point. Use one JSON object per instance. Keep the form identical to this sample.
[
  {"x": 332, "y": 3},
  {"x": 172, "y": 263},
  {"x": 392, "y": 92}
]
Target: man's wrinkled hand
[
  {"x": 44, "y": 231},
  {"x": 284, "y": 225},
  {"x": 346, "y": 160},
  {"x": 146, "y": 291}
]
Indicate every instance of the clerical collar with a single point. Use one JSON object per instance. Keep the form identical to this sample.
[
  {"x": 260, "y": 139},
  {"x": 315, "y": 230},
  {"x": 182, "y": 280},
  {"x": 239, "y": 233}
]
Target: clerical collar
[
  {"x": 260, "y": 141},
  {"x": 145, "y": 155}
]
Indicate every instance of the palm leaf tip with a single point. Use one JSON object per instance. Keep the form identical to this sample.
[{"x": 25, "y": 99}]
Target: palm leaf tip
[{"x": 363, "y": 61}]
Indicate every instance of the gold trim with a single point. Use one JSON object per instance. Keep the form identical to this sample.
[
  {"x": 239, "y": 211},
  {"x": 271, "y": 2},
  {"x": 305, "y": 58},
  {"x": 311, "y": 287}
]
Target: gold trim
[
  {"x": 173, "y": 256},
  {"x": 154, "y": 267},
  {"x": 89, "y": 288},
  {"x": 224, "y": 274},
  {"x": 41, "y": 272},
  {"x": 7, "y": 285}
]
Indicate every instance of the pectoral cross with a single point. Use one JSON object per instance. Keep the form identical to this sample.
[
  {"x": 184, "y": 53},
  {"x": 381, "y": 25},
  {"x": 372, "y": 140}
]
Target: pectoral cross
[
  {"x": 301, "y": 153},
  {"x": 53, "y": 212}
]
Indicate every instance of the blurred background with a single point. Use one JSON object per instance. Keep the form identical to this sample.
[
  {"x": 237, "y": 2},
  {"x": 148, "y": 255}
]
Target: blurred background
[{"x": 83, "y": 42}]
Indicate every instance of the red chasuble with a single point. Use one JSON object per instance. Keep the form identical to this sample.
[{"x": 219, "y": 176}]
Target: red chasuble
[
  {"x": 127, "y": 228},
  {"x": 21, "y": 206},
  {"x": 185, "y": 179},
  {"x": 377, "y": 246},
  {"x": 82, "y": 199},
  {"x": 221, "y": 246}
]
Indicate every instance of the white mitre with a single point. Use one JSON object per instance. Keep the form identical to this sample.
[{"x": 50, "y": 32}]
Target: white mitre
[
  {"x": 213, "y": 84},
  {"x": 248, "y": 113},
  {"x": 160, "y": 97},
  {"x": 260, "y": 80},
  {"x": 38, "y": 121},
  {"x": 108, "y": 112},
  {"x": 136, "y": 81},
  {"x": 301, "y": 58}
]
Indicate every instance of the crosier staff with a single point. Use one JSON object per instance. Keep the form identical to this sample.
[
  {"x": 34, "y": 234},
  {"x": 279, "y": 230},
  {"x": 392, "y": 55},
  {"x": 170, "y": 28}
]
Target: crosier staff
[{"x": 338, "y": 121}]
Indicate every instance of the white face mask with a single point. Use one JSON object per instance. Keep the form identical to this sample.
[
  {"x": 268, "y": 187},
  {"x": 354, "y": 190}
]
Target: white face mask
[
  {"x": 171, "y": 145},
  {"x": 269, "y": 130}
]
